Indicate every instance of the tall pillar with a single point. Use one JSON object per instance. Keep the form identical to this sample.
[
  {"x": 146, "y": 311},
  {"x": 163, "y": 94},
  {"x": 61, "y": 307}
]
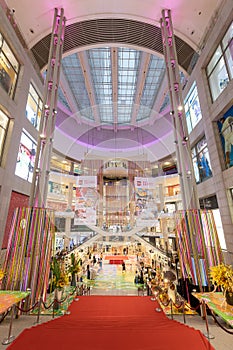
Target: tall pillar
[
  {"x": 69, "y": 203},
  {"x": 45, "y": 142},
  {"x": 100, "y": 216},
  {"x": 183, "y": 150},
  {"x": 161, "y": 197}
]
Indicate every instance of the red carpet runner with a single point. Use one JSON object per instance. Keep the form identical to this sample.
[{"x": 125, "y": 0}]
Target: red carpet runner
[{"x": 112, "y": 323}]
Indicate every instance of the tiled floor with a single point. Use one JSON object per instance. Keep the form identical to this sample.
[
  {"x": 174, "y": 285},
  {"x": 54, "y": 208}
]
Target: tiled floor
[{"x": 111, "y": 281}]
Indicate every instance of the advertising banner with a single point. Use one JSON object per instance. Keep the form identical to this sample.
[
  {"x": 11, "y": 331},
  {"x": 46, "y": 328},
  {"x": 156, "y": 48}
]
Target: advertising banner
[
  {"x": 146, "y": 211},
  {"x": 86, "y": 200}
]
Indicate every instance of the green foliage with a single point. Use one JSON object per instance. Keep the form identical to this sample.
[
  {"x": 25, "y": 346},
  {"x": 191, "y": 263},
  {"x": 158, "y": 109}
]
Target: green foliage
[
  {"x": 56, "y": 269},
  {"x": 60, "y": 278},
  {"x": 75, "y": 265}
]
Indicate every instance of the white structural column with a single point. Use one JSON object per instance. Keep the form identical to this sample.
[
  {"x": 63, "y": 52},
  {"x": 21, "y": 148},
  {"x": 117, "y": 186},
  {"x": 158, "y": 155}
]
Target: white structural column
[
  {"x": 45, "y": 142},
  {"x": 183, "y": 150}
]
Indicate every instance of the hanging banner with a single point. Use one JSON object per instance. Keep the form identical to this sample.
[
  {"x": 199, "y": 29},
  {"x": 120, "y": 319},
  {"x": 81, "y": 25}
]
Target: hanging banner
[
  {"x": 86, "y": 200},
  {"x": 146, "y": 211}
]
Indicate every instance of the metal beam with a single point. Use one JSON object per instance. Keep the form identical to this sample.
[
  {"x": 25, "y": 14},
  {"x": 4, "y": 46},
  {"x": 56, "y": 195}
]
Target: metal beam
[
  {"x": 114, "y": 67},
  {"x": 86, "y": 69},
  {"x": 144, "y": 66},
  {"x": 68, "y": 93}
]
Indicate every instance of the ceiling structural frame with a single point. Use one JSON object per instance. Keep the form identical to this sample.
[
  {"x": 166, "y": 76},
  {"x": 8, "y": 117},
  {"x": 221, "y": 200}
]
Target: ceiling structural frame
[
  {"x": 103, "y": 31},
  {"x": 114, "y": 37},
  {"x": 115, "y": 33}
]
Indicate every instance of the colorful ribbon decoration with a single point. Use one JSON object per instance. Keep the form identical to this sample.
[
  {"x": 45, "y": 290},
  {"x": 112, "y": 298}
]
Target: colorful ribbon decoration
[
  {"x": 198, "y": 245},
  {"x": 27, "y": 262}
]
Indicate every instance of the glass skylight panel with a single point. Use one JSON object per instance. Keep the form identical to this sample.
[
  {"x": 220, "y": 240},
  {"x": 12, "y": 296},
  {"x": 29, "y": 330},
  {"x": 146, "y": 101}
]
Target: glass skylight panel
[
  {"x": 128, "y": 66},
  {"x": 74, "y": 75},
  {"x": 100, "y": 65},
  {"x": 106, "y": 113},
  {"x": 62, "y": 99},
  {"x": 100, "y": 80},
  {"x": 165, "y": 103},
  {"x": 154, "y": 78}
]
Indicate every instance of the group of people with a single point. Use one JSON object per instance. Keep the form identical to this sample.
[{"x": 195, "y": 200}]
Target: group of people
[{"x": 95, "y": 263}]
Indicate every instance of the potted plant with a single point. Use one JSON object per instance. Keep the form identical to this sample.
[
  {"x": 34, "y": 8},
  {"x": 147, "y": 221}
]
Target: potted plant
[
  {"x": 73, "y": 269},
  {"x": 60, "y": 280},
  {"x": 222, "y": 276}
]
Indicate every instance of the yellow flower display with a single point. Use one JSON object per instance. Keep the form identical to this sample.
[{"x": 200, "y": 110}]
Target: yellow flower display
[
  {"x": 60, "y": 278},
  {"x": 62, "y": 281},
  {"x": 222, "y": 276}
]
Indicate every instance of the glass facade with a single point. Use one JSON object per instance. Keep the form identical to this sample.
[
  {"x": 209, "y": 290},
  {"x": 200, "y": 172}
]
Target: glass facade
[
  {"x": 26, "y": 157},
  {"x": 201, "y": 161},
  {"x": 9, "y": 68},
  {"x": 34, "y": 107},
  {"x": 4, "y": 123},
  {"x": 192, "y": 108},
  {"x": 225, "y": 127},
  {"x": 220, "y": 68}
]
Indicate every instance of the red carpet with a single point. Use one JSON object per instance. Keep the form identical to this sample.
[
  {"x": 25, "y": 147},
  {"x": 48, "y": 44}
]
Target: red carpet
[
  {"x": 116, "y": 257},
  {"x": 112, "y": 323}
]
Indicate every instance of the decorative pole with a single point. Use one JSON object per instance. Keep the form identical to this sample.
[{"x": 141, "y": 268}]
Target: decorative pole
[
  {"x": 183, "y": 150},
  {"x": 40, "y": 179},
  {"x": 32, "y": 230}
]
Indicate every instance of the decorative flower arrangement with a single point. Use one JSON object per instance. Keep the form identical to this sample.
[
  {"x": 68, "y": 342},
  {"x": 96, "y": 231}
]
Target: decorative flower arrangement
[
  {"x": 60, "y": 278},
  {"x": 75, "y": 266},
  {"x": 222, "y": 276},
  {"x": 62, "y": 282}
]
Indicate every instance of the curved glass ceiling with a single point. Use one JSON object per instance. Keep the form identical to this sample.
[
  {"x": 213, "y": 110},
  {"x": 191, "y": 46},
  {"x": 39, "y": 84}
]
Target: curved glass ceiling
[{"x": 111, "y": 86}]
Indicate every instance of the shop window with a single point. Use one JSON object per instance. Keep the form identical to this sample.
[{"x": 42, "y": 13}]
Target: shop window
[
  {"x": 219, "y": 227},
  {"x": 208, "y": 202},
  {"x": 225, "y": 127},
  {"x": 4, "y": 123},
  {"x": 192, "y": 108},
  {"x": 211, "y": 203},
  {"x": 201, "y": 161},
  {"x": 9, "y": 68},
  {"x": 34, "y": 107},
  {"x": 56, "y": 188},
  {"x": 26, "y": 157},
  {"x": 220, "y": 68}
]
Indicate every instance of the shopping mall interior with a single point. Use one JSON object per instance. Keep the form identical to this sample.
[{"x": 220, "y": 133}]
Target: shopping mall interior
[{"x": 116, "y": 174}]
